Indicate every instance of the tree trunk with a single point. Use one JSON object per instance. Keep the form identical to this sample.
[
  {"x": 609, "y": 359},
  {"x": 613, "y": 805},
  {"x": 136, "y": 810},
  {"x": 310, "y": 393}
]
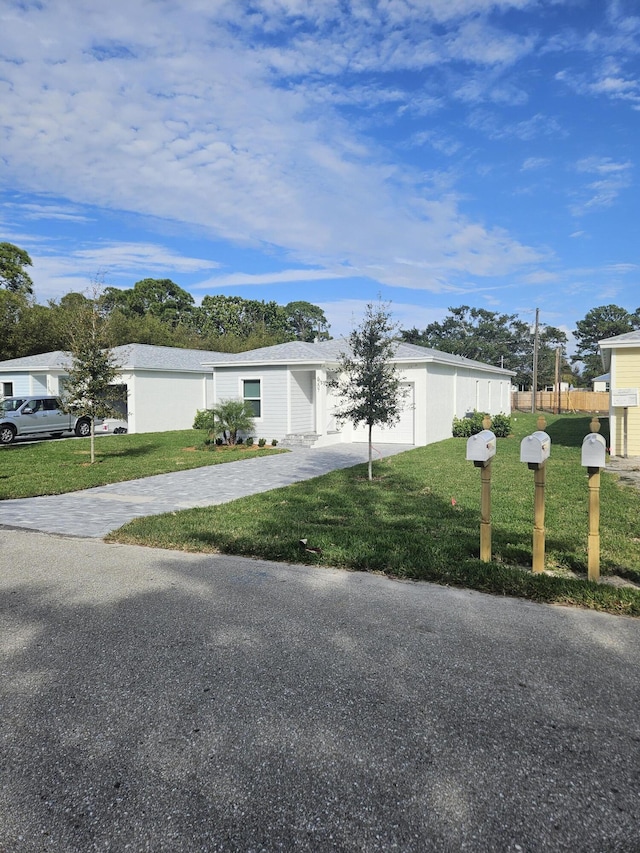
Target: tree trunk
[{"x": 370, "y": 451}]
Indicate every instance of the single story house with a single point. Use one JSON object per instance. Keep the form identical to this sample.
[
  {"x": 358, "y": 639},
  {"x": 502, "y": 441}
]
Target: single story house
[
  {"x": 285, "y": 384},
  {"x": 165, "y": 385},
  {"x": 621, "y": 357}
]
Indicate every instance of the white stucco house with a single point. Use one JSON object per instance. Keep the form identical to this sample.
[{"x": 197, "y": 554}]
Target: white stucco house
[
  {"x": 285, "y": 385},
  {"x": 165, "y": 385}
]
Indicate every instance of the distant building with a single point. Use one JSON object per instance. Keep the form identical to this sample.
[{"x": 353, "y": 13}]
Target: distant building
[{"x": 601, "y": 383}]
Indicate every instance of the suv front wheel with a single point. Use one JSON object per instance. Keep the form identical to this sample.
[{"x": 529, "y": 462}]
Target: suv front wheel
[
  {"x": 83, "y": 428},
  {"x": 7, "y": 434}
]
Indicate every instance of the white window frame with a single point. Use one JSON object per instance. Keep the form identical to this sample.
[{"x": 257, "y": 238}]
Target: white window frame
[{"x": 260, "y": 399}]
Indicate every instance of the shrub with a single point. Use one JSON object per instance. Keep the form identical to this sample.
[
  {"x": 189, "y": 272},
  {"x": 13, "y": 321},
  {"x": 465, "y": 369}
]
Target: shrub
[
  {"x": 274, "y": 442},
  {"x": 249, "y": 441},
  {"x": 501, "y": 426},
  {"x": 461, "y": 427},
  {"x": 238, "y": 441},
  {"x": 205, "y": 420},
  {"x": 470, "y": 425},
  {"x": 262, "y": 442}
]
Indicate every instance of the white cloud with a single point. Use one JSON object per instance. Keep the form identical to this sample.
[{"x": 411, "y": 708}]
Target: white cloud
[
  {"x": 242, "y": 123},
  {"x": 346, "y": 314},
  {"x": 613, "y": 177},
  {"x": 534, "y": 163},
  {"x": 282, "y": 277}
]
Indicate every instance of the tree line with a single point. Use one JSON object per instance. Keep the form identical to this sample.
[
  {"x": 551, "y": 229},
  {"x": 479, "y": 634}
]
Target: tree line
[
  {"x": 505, "y": 340},
  {"x": 153, "y": 311},
  {"x": 159, "y": 312}
]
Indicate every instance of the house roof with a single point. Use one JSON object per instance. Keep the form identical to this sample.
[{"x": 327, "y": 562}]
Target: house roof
[
  {"x": 629, "y": 339},
  {"x": 148, "y": 357},
  {"x": 129, "y": 357},
  {"x": 328, "y": 352},
  {"x": 604, "y": 377}
]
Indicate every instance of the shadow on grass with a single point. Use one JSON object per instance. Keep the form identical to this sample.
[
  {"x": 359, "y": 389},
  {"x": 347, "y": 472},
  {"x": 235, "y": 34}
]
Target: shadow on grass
[{"x": 570, "y": 432}]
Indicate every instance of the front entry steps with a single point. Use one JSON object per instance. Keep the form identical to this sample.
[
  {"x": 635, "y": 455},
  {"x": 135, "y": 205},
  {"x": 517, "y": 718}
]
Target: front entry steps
[{"x": 300, "y": 439}]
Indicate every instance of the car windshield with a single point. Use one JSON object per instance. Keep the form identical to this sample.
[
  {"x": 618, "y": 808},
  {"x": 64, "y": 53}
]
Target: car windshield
[{"x": 11, "y": 404}]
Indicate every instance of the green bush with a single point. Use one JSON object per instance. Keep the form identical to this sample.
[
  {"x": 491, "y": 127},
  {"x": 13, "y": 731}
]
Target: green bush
[
  {"x": 461, "y": 427},
  {"x": 262, "y": 442},
  {"x": 469, "y": 425},
  {"x": 472, "y": 424},
  {"x": 501, "y": 426},
  {"x": 274, "y": 442},
  {"x": 204, "y": 419},
  {"x": 249, "y": 441}
]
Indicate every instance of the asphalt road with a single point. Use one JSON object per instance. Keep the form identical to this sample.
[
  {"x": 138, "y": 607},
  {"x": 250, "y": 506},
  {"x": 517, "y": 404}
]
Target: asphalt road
[{"x": 167, "y": 702}]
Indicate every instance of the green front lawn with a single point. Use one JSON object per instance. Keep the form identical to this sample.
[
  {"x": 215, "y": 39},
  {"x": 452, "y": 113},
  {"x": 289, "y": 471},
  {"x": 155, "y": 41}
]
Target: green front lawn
[
  {"x": 420, "y": 519},
  {"x": 56, "y": 466}
]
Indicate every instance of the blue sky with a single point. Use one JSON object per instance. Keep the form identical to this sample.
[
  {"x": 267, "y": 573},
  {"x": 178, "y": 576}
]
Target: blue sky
[{"x": 431, "y": 152}]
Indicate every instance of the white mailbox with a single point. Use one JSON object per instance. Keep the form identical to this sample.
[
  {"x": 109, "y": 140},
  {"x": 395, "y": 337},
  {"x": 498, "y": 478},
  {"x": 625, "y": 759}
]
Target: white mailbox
[
  {"x": 535, "y": 449},
  {"x": 594, "y": 449},
  {"x": 481, "y": 448}
]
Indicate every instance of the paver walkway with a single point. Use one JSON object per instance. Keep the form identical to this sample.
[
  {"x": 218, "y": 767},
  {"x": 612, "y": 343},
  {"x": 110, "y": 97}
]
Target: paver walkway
[{"x": 95, "y": 512}]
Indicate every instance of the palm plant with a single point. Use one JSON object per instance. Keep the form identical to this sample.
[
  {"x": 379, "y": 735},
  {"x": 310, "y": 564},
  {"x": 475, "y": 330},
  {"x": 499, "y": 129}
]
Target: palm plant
[{"x": 233, "y": 416}]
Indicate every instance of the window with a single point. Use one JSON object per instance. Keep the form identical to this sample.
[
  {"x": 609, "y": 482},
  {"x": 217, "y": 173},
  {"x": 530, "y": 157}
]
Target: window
[{"x": 251, "y": 395}]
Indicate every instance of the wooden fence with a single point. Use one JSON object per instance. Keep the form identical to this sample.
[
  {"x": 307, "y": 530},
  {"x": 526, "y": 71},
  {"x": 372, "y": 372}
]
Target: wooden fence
[{"x": 570, "y": 401}]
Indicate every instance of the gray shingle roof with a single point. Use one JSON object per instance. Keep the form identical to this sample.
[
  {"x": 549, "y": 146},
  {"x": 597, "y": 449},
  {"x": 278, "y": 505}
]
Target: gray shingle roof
[
  {"x": 130, "y": 356},
  {"x": 298, "y": 352},
  {"x": 629, "y": 338},
  {"x": 148, "y": 357}
]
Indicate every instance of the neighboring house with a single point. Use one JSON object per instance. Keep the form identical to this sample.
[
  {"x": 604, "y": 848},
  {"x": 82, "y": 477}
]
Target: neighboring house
[
  {"x": 165, "y": 385},
  {"x": 621, "y": 357},
  {"x": 284, "y": 384},
  {"x": 601, "y": 383}
]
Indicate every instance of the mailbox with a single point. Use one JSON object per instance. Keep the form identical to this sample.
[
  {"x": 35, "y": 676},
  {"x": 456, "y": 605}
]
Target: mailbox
[
  {"x": 594, "y": 449},
  {"x": 535, "y": 449},
  {"x": 481, "y": 448}
]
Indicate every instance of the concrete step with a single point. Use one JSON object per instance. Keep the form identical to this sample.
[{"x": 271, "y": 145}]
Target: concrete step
[{"x": 300, "y": 439}]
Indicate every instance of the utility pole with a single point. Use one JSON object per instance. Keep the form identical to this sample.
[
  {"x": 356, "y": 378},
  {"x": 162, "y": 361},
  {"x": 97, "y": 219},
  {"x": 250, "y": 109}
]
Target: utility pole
[
  {"x": 558, "y": 397},
  {"x": 535, "y": 361}
]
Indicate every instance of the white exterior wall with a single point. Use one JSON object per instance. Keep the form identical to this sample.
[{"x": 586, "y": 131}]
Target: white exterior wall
[
  {"x": 165, "y": 400},
  {"x": 274, "y": 394},
  {"x": 441, "y": 402},
  {"x": 302, "y": 396},
  {"x": 32, "y": 383},
  {"x": 458, "y": 391}
]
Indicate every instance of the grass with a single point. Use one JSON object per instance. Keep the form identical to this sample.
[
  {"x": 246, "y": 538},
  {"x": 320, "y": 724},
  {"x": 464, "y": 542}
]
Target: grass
[
  {"x": 57, "y": 466},
  {"x": 420, "y": 519}
]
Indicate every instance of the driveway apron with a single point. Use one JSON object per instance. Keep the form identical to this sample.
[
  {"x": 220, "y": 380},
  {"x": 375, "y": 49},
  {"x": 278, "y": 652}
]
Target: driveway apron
[{"x": 95, "y": 512}]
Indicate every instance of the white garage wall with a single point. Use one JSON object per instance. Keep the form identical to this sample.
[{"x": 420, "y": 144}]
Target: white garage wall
[
  {"x": 165, "y": 400},
  {"x": 441, "y": 402}
]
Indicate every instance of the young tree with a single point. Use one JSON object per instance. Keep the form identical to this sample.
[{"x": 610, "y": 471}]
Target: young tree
[
  {"x": 91, "y": 388},
  {"x": 368, "y": 383},
  {"x": 13, "y": 275}
]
